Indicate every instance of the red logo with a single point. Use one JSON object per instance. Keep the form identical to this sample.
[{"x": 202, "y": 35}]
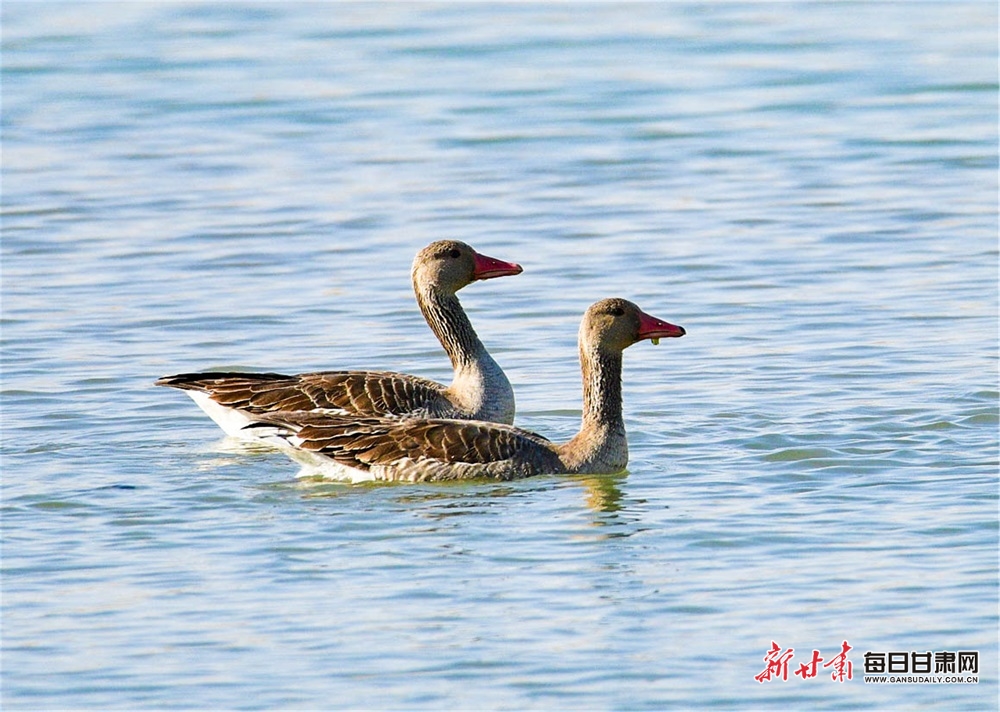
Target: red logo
[{"x": 777, "y": 665}]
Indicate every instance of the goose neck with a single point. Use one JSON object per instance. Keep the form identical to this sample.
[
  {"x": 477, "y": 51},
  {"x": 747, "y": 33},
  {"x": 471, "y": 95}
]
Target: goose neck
[
  {"x": 480, "y": 389},
  {"x": 602, "y": 389},
  {"x": 601, "y": 445},
  {"x": 450, "y": 324}
]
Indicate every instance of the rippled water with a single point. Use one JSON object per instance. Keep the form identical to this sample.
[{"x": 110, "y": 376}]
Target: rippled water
[{"x": 810, "y": 189}]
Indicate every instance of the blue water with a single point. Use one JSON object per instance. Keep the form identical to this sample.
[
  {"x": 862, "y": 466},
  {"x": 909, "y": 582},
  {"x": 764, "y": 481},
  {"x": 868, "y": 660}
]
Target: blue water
[{"x": 809, "y": 189}]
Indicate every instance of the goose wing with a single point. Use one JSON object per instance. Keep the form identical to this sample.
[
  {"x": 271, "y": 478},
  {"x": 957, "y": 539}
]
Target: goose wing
[
  {"x": 362, "y": 393},
  {"x": 417, "y": 449}
]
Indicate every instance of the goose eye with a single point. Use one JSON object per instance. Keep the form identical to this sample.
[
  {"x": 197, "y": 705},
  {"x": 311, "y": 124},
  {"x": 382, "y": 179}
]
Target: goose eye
[
  {"x": 617, "y": 311},
  {"x": 454, "y": 253}
]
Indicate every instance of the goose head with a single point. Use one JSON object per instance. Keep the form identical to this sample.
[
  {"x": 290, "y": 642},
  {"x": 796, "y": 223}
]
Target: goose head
[
  {"x": 612, "y": 325},
  {"x": 449, "y": 265}
]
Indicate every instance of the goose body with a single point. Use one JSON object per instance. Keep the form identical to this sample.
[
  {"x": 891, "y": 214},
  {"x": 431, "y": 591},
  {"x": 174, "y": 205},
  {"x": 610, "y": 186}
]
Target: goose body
[
  {"x": 412, "y": 449},
  {"x": 480, "y": 389}
]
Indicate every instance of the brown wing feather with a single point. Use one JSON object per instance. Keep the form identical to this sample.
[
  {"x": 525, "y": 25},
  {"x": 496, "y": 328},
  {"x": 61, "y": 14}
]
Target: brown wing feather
[
  {"x": 367, "y": 443},
  {"x": 356, "y": 392}
]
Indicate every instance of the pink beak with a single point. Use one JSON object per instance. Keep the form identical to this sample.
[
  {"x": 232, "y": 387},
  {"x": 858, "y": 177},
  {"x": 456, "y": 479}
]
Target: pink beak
[
  {"x": 490, "y": 267},
  {"x": 652, "y": 328}
]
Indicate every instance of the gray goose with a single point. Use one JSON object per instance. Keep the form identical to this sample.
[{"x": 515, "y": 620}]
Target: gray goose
[
  {"x": 441, "y": 449},
  {"x": 480, "y": 390}
]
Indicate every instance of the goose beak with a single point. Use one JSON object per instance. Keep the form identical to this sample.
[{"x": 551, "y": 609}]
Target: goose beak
[
  {"x": 490, "y": 267},
  {"x": 655, "y": 329}
]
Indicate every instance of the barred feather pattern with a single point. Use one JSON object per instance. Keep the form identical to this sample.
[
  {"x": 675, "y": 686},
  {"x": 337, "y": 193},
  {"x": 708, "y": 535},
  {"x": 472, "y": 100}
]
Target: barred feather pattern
[
  {"x": 418, "y": 450},
  {"x": 356, "y": 392}
]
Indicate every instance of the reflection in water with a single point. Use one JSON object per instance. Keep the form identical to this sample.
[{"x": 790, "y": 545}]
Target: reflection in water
[
  {"x": 455, "y": 491},
  {"x": 235, "y": 446},
  {"x": 231, "y": 452},
  {"x": 603, "y": 493},
  {"x": 443, "y": 500},
  {"x": 604, "y": 498},
  {"x": 454, "y": 500}
]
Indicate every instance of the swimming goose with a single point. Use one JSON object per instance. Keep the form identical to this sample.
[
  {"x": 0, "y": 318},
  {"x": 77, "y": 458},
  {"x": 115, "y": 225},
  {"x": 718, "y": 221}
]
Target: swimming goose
[
  {"x": 441, "y": 449},
  {"x": 480, "y": 390}
]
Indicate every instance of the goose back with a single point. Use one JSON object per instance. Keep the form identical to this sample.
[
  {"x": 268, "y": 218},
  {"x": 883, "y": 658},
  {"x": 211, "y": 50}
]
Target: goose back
[
  {"x": 415, "y": 450},
  {"x": 358, "y": 392}
]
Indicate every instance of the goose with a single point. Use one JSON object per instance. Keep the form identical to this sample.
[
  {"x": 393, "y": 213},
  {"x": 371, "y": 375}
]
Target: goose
[
  {"x": 480, "y": 389},
  {"x": 428, "y": 449}
]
